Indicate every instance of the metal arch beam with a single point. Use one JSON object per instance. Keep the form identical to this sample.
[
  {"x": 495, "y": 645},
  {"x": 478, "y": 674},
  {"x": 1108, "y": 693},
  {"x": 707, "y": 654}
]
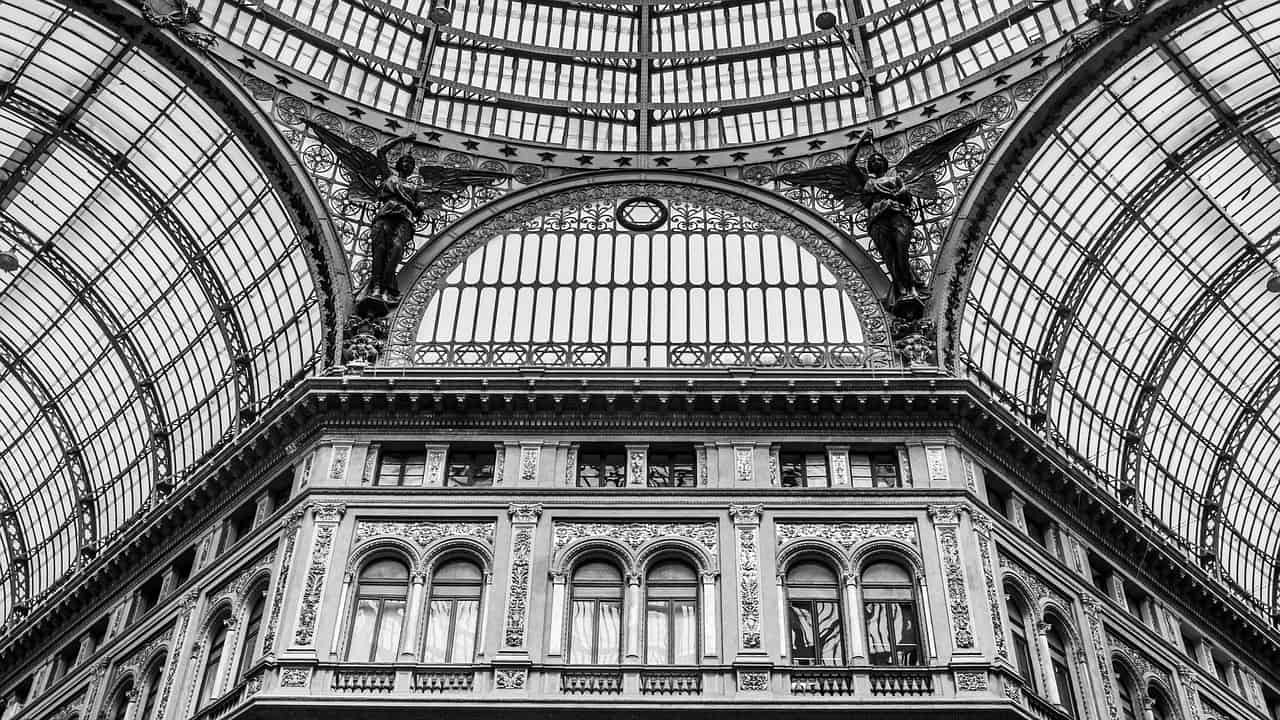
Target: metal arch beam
[
  {"x": 118, "y": 335},
  {"x": 15, "y": 543},
  {"x": 1053, "y": 345},
  {"x": 210, "y": 282},
  {"x": 72, "y": 459}
]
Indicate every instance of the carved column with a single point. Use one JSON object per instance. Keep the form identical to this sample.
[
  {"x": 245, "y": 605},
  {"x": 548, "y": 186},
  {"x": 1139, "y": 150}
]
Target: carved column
[
  {"x": 631, "y": 603},
  {"x": 946, "y": 525},
  {"x": 326, "y": 518},
  {"x": 1046, "y": 663},
  {"x": 499, "y": 463},
  {"x": 486, "y": 592},
  {"x": 344, "y": 598},
  {"x": 709, "y": 615},
  {"x": 559, "y": 582},
  {"x": 179, "y": 647},
  {"x": 292, "y": 526},
  {"x": 637, "y": 465},
  {"x": 524, "y": 519},
  {"x": 746, "y": 530},
  {"x": 984, "y": 532},
  {"x": 409, "y": 645},
  {"x": 1101, "y": 656},
  {"x": 1186, "y": 682},
  {"x": 854, "y": 604}
]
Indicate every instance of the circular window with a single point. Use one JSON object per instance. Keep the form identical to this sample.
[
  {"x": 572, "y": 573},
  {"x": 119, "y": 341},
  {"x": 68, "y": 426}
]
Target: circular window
[{"x": 642, "y": 214}]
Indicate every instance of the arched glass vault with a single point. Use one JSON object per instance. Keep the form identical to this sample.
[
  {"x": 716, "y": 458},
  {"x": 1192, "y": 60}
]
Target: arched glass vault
[
  {"x": 1119, "y": 299},
  {"x": 163, "y": 295}
]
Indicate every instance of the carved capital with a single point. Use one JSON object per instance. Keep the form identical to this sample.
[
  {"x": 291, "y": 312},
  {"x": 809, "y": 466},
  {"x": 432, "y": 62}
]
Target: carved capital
[
  {"x": 746, "y": 514},
  {"x": 947, "y": 514},
  {"x": 328, "y": 512},
  {"x": 527, "y": 513}
]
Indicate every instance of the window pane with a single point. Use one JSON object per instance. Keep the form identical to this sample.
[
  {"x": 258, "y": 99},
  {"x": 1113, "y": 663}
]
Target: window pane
[
  {"x": 361, "y": 641},
  {"x": 389, "y": 630},
  {"x": 610, "y": 634},
  {"x": 657, "y": 631},
  {"x": 464, "y": 631},
  {"x": 803, "y": 648},
  {"x": 892, "y": 637},
  {"x": 581, "y": 632},
  {"x": 830, "y": 640},
  {"x": 435, "y": 647},
  {"x": 686, "y": 632}
]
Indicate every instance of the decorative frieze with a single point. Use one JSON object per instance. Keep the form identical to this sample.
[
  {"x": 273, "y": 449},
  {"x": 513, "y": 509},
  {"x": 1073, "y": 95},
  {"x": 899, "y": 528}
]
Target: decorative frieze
[
  {"x": 326, "y": 517},
  {"x": 746, "y": 526},
  {"x": 636, "y": 535},
  {"x": 936, "y": 460},
  {"x": 529, "y": 455},
  {"x": 523, "y": 519},
  {"x": 743, "y": 463},
  {"x": 946, "y": 525},
  {"x": 423, "y": 534},
  {"x": 848, "y": 535},
  {"x": 571, "y": 466}
]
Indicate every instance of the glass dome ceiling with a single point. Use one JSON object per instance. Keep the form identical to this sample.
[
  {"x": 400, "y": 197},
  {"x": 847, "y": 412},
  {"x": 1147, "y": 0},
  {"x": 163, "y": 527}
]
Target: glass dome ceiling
[
  {"x": 1120, "y": 296},
  {"x": 162, "y": 293},
  {"x": 646, "y": 75}
]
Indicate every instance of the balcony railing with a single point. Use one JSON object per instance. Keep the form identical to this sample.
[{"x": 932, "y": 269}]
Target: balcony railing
[
  {"x": 901, "y": 681},
  {"x": 1043, "y": 709},
  {"x": 225, "y": 704},
  {"x": 591, "y": 681},
  {"x": 821, "y": 681},
  {"x": 366, "y": 681},
  {"x": 443, "y": 679},
  {"x": 671, "y": 682}
]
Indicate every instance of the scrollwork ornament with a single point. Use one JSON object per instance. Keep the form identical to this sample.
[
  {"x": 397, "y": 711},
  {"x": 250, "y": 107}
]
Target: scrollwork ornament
[
  {"x": 748, "y": 554},
  {"x": 957, "y": 593},
  {"x": 971, "y": 680},
  {"x": 753, "y": 680},
  {"x": 510, "y": 678},
  {"x": 517, "y": 614},
  {"x": 293, "y": 676},
  {"x": 848, "y": 535}
]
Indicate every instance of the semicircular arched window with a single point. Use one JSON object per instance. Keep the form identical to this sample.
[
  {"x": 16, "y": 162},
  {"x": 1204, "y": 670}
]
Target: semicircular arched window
[
  {"x": 708, "y": 288},
  {"x": 453, "y": 613},
  {"x": 381, "y": 595},
  {"x": 813, "y": 614},
  {"x": 891, "y": 614}
]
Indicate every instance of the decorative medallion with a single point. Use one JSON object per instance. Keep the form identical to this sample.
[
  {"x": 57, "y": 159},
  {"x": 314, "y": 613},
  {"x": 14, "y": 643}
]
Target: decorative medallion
[{"x": 642, "y": 213}]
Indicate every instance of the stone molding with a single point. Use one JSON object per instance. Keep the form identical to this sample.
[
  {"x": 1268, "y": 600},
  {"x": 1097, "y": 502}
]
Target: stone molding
[
  {"x": 425, "y": 535},
  {"x": 638, "y": 538}
]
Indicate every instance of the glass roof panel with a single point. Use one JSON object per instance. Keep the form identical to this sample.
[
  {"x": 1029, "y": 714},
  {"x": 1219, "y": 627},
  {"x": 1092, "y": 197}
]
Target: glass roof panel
[
  {"x": 643, "y": 75},
  {"x": 168, "y": 293},
  {"x": 1150, "y": 336}
]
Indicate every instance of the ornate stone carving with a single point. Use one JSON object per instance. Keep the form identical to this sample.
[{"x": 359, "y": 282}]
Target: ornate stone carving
[
  {"x": 363, "y": 339},
  {"x": 1013, "y": 691},
  {"x": 915, "y": 342},
  {"x": 743, "y": 464},
  {"x": 136, "y": 662},
  {"x": 327, "y": 516},
  {"x": 293, "y": 676},
  {"x": 184, "y": 625},
  {"x": 703, "y": 474},
  {"x": 435, "y": 467},
  {"x": 970, "y": 474},
  {"x": 235, "y": 589},
  {"x": 637, "y": 534},
  {"x": 839, "y": 467},
  {"x": 1040, "y": 591},
  {"x": 848, "y": 535},
  {"x": 423, "y": 534},
  {"x": 529, "y": 463},
  {"x": 773, "y": 467},
  {"x": 753, "y": 680},
  {"x": 523, "y": 518},
  {"x": 982, "y": 529},
  {"x": 292, "y": 527},
  {"x": 510, "y": 678},
  {"x": 971, "y": 680},
  {"x": 904, "y": 467},
  {"x": 746, "y": 514},
  {"x": 338, "y": 463},
  {"x": 946, "y": 520},
  {"x": 571, "y": 466},
  {"x": 1091, "y": 608},
  {"x": 748, "y": 554},
  {"x": 499, "y": 463},
  {"x": 936, "y": 458},
  {"x": 306, "y": 468},
  {"x": 637, "y": 462}
]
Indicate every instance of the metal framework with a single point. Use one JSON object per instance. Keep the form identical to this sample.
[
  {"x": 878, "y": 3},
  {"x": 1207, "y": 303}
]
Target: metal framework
[{"x": 1118, "y": 299}]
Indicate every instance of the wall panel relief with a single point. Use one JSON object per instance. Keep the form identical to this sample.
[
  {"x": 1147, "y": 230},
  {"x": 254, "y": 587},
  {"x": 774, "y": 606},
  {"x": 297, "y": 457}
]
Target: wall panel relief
[
  {"x": 946, "y": 525},
  {"x": 746, "y": 527},
  {"x": 635, "y": 535},
  {"x": 291, "y": 527},
  {"x": 984, "y": 529},
  {"x": 424, "y": 534},
  {"x": 524, "y": 518},
  {"x": 1092, "y": 607},
  {"x": 326, "y": 517}
]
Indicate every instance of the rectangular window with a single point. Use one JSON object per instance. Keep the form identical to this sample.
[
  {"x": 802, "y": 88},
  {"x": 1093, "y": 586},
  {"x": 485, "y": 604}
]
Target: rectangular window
[
  {"x": 401, "y": 468},
  {"x": 1135, "y": 600},
  {"x": 602, "y": 466},
  {"x": 1039, "y": 528},
  {"x": 1189, "y": 644},
  {"x": 238, "y": 525},
  {"x": 470, "y": 467},
  {"x": 596, "y": 633},
  {"x": 672, "y": 467},
  {"x": 874, "y": 469},
  {"x": 803, "y": 468}
]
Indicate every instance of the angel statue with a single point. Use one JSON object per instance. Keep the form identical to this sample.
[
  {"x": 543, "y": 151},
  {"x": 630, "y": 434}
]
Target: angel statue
[
  {"x": 887, "y": 193},
  {"x": 400, "y": 198}
]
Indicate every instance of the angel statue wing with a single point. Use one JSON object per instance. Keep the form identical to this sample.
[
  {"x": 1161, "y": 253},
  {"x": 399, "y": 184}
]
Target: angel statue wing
[
  {"x": 917, "y": 168},
  {"x": 843, "y": 182},
  {"x": 367, "y": 168},
  {"x": 442, "y": 180}
]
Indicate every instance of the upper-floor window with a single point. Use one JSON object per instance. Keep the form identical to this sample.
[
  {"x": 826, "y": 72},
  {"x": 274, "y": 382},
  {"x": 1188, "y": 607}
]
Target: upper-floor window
[
  {"x": 1135, "y": 601},
  {"x": 252, "y": 633},
  {"x": 1189, "y": 643},
  {"x": 155, "y": 675},
  {"x": 239, "y": 524},
  {"x": 1126, "y": 691},
  {"x": 813, "y": 614},
  {"x": 401, "y": 468},
  {"x": 216, "y": 640},
  {"x": 601, "y": 465},
  {"x": 671, "y": 614},
  {"x": 672, "y": 466},
  {"x": 595, "y": 624},
  {"x": 892, "y": 615},
  {"x": 381, "y": 593},
  {"x": 1021, "y": 638},
  {"x": 1058, "y": 654},
  {"x": 803, "y": 467},
  {"x": 877, "y": 469},
  {"x": 453, "y": 616},
  {"x": 120, "y": 702},
  {"x": 470, "y": 466},
  {"x": 1039, "y": 528}
]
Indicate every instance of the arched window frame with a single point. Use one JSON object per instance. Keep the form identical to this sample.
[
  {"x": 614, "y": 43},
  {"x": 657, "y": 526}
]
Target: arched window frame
[
  {"x": 438, "y": 591},
  {"x": 1162, "y": 705},
  {"x": 1055, "y": 624},
  {"x": 125, "y": 695},
  {"x": 596, "y": 594},
  {"x": 153, "y": 679},
  {"x": 911, "y": 585},
  {"x": 1015, "y": 597},
  {"x": 792, "y": 589},
  {"x": 372, "y": 589},
  {"x": 214, "y": 656},
  {"x": 250, "y": 635},
  {"x": 667, "y": 594}
]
